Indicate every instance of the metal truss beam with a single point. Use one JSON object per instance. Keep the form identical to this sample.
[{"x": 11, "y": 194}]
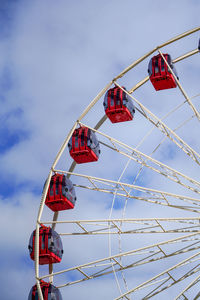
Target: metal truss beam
[
  {"x": 148, "y": 162},
  {"x": 136, "y": 192},
  {"x": 131, "y": 226},
  {"x": 164, "y": 273},
  {"x": 195, "y": 281},
  {"x": 111, "y": 264}
]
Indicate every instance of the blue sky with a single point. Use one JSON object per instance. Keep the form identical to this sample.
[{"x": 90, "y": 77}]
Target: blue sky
[{"x": 55, "y": 56}]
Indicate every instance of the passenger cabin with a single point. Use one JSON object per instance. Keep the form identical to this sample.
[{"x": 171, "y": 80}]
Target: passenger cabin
[
  {"x": 61, "y": 194},
  {"x": 160, "y": 75},
  {"x": 49, "y": 292},
  {"x": 118, "y": 105},
  {"x": 84, "y": 146},
  {"x": 199, "y": 45},
  {"x": 50, "y": 246}
]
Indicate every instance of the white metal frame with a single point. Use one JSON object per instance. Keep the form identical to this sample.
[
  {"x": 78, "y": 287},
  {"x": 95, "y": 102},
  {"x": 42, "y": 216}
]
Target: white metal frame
[{"x": 157, "y": 225}]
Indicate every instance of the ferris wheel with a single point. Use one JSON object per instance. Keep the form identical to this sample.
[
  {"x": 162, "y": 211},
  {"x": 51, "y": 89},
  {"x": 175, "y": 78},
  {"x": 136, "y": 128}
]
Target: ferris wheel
[{"x": 122, "y": 196}]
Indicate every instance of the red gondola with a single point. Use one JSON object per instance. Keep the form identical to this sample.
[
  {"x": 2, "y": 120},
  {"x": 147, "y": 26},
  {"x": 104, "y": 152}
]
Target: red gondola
[
  {"x": 50, "y": 246},
  {"x": 49, "y": 292},
  {"x": 159, "y": 73},
  {"x": 61, "y": 193},
  {"x": 84, "y": 146},
  {"x": 118, "y": 105}
]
